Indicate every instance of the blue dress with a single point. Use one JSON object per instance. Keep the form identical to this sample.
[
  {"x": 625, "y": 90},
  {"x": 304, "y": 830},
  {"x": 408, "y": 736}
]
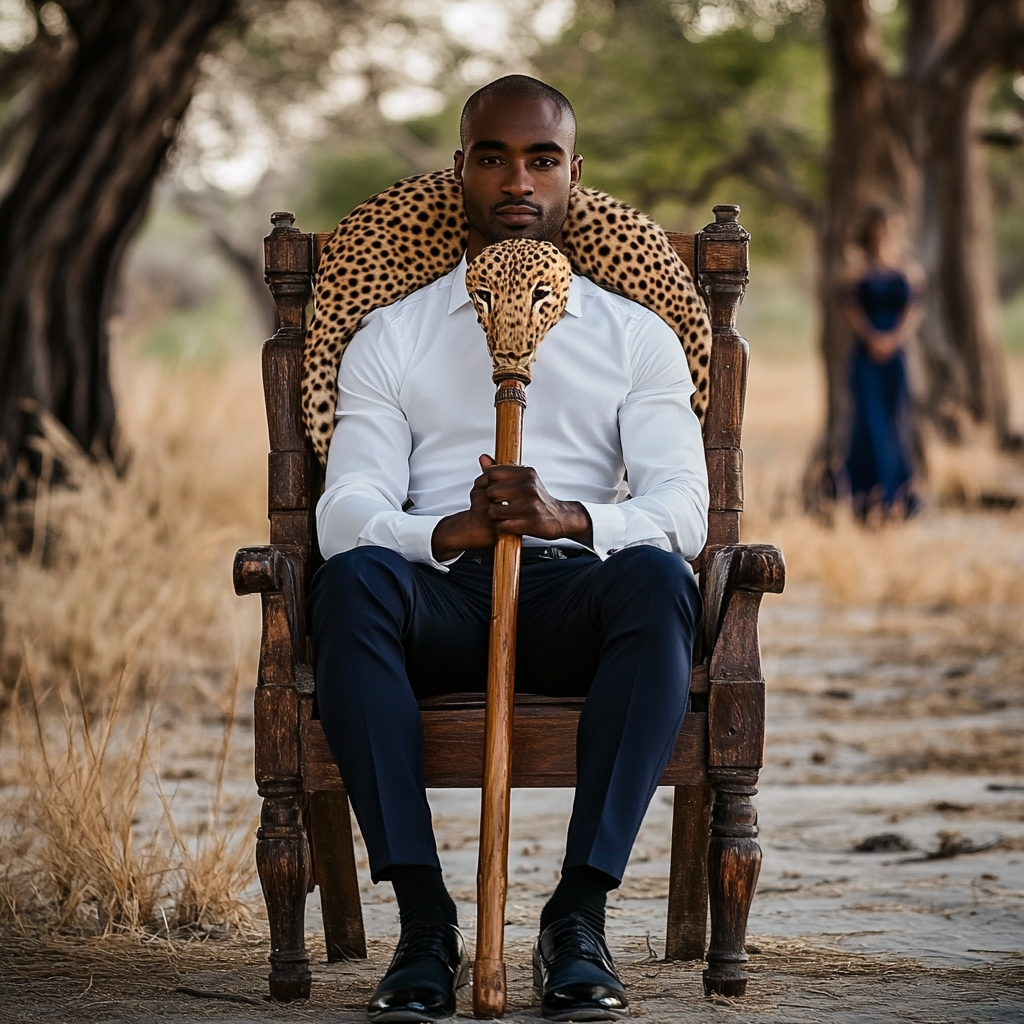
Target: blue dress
[{"x": 879, "y": 463}]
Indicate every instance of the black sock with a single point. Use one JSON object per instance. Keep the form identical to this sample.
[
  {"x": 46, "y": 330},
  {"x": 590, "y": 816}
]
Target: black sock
[
  {"x": 422, "y": 896},
  {"x": 581, "y": 890}
]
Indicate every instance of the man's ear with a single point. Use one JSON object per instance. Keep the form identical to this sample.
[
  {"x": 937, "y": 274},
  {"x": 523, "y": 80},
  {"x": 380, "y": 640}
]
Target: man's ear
[
  {"x": 460, "y": 162},
  {"x": 575, "y": 170}
]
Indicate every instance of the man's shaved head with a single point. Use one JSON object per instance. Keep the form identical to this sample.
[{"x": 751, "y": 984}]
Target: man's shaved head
[{"x": 517, "y": 87}]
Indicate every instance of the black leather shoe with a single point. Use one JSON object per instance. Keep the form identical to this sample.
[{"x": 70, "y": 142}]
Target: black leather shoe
[
  {"x": 574, "y": 973},
  {"x": 429, "y": 965}
]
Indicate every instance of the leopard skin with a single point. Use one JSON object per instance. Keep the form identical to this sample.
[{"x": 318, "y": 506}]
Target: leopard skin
[{"x": 415, "y": 232}]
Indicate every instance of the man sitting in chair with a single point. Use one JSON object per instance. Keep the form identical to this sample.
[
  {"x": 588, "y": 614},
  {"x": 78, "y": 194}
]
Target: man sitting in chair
[{"x": 608, "y": 605}]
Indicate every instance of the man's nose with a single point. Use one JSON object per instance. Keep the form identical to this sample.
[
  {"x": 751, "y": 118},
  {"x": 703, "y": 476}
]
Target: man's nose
[{"x": 518, "y": 181}]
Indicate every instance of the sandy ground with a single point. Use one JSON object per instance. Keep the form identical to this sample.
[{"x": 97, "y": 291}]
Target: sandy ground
[{"x": 904, "y": 725}]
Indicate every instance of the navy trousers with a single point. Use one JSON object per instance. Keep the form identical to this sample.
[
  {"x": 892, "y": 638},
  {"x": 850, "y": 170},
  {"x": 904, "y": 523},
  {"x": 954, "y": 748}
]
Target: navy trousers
[{"x": 388, "y": 632}]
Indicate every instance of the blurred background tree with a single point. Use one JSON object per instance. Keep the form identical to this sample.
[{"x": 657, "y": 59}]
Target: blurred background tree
[
  {"x": 911, "y": 103},
  {"x": 93, "y": 96}
]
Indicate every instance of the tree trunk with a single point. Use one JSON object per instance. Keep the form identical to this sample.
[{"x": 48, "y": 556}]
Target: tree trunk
[
  {"x": 108, "y": 104},
  {"x": 958, "y": 344},
  {"x": 868, "y": 162}
]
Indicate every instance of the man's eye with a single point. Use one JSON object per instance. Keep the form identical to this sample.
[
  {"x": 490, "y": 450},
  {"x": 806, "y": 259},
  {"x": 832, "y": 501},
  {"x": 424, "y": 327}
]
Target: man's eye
[
  {"x": 540, "y": 293},
  {"x": 483, "y": 296},
  {"x": 546, "y": 162}
]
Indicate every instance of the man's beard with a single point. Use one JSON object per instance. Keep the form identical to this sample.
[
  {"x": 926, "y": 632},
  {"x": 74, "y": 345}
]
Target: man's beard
[{"x": 543, "y": 227}]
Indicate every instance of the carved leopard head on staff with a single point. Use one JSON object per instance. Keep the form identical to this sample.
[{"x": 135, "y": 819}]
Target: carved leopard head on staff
[{"x": 519, "y": 288}]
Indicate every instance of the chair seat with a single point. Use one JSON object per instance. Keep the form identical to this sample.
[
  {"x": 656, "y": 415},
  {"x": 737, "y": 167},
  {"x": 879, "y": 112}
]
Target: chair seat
[{"x": 543, "y": 749}]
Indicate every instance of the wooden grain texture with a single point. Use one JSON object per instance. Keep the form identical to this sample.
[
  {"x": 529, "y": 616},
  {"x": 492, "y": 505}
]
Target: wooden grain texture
[
  {"x": 733, "y": 855},
  {"x": 282, "y": 848},
  {"x": 723, "y": 528},
  {"x": 543, "y": 750},
  {"x": 736, "y": 724},
  {"x": 687, "y": 925},
  {"x": 724, "y": 280},
  {"x": 336, "y": 875},
  {"x": 731, "y": 571},
  {"x": 283, "y": 864},
  {"x": 319, "y": 240},
  {"x": 489, "y": 983},
  {"x": 255, "y": 570},
  {"x": 698, "y": 680},
  {"x": 725, "y": 478},
  {"x": 737, "y": 650},
  {"x": 277, "y": 748},
  {"x": 286, "y": 481},
  {"x": 734, "y": 862},
  {"x": 685, "y": 246},
  {"x": 723, "y": 255}
]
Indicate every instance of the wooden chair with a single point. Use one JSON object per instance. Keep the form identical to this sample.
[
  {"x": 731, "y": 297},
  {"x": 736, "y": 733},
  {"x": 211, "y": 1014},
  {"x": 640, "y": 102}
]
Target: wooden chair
[{"x": 305, "y": 836}]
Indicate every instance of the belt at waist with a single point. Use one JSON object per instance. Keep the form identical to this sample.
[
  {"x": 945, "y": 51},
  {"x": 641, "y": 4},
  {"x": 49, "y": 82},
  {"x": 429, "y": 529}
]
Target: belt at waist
[{"x": 530, "y": 555}]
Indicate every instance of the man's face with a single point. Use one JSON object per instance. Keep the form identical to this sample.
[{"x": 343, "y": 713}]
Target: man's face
[{"x": 516, "y": 171}]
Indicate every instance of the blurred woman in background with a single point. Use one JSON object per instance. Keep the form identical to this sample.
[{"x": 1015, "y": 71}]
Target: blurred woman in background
[{"x": 881, "y": 299}]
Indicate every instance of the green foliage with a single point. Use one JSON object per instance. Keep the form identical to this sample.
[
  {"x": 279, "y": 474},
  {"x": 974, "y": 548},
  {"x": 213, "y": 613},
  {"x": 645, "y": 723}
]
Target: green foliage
[
  {"x": 674, "y": 121},
  {"x": 340, "y": 180},
  {"x": 441, "y": 131},
  {"x": 1011, "y": 323}
]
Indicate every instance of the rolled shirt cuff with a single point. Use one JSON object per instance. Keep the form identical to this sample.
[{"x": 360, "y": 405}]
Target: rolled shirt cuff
[
  {"x": 411, "y": 536},
  {"x": 609, "y": 528}
]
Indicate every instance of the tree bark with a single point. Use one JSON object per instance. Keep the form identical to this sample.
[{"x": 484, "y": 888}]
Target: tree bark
[
  {"x": 109, "y": 99},
  {"x": 958, "y": 344},
  {"x": 951, "y": 50}
]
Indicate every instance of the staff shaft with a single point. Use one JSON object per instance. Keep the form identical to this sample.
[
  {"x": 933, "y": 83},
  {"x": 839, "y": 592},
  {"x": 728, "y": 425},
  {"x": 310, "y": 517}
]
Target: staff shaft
[{"x": 492, "y": 875}]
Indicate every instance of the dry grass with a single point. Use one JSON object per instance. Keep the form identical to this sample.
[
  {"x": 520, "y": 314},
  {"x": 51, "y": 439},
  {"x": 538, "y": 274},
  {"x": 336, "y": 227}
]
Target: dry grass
[
  {"x": 954, "y": 555},
  {"x": 88, "y": 849},
  {"x": 140, "y": 564},
  {"x": 80, "y": 785},
  {"x": 116, "y": 620}
]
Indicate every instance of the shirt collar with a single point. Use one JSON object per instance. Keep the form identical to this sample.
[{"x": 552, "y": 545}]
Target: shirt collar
[{"x": 460, "y": 296}]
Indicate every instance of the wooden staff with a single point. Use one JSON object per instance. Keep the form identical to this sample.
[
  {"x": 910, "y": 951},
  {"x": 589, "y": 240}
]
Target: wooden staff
[
  {"x": 519, "y": 288},
  {"x": 496, "y": 797}
]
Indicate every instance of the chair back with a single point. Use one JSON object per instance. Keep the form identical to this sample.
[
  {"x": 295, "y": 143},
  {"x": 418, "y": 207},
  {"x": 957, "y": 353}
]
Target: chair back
[{"x": 717, "y": 257}]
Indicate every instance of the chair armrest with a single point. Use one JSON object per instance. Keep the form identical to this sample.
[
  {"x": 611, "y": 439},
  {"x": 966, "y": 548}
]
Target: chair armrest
[
  {"x": 258, "y": 571},
  {"x": 738, "y": 576},
  {"x": 268, "y": 571},
  {"x": 751, "y": 568}
]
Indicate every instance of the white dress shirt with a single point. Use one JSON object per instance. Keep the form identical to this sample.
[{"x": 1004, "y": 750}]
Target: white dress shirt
[{"x": 608, "y": 423}]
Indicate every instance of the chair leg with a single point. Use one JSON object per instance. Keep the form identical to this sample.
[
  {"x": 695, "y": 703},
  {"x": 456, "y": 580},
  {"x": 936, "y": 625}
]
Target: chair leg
[
  {"x": 734, "y": 861},
  {"x": 686, "y": 929},
  {"x": 336, "y": 876},
  {"x": 282, "y": 859}
]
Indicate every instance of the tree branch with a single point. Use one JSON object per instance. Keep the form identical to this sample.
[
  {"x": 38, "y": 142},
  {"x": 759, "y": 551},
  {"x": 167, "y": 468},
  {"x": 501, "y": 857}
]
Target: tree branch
[
  {"x": 761, "y": 163},
  {"x": 991, "y": 34},
  {"x": 853, "y": 37},
  {"x": 931, "y": 25},
  {"x": 246, "y": 260}
]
